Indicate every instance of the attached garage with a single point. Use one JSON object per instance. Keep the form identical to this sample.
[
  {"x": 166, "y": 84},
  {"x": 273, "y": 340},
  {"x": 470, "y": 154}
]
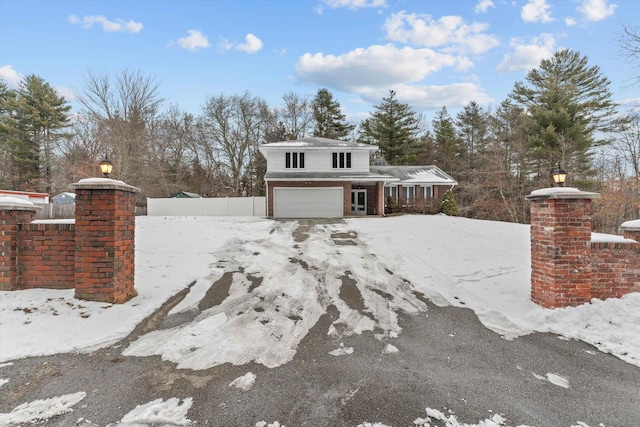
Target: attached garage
[{"x": 324, "y": 202}]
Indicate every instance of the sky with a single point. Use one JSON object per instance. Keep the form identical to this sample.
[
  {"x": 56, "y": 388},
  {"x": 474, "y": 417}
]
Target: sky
[
  {"x": 432, "y": 53},
  {"x": 491, "y": 261}
]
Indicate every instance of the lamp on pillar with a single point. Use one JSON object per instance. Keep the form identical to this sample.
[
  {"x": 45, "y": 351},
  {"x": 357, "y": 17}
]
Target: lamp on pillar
[
  {"x": 559, "y": 176},
  {"x": 106, "y": 167}
]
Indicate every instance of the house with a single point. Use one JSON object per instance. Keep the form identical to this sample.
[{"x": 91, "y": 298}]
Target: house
[
  {"x": 185, "y": 195},
  {"x": 37, "y": 198},
  {"x": 64, "y": 198},
  {"x": 326, "y": 178}
]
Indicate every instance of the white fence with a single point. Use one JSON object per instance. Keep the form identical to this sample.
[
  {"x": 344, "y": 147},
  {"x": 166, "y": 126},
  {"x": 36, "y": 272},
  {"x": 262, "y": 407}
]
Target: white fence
[{"x": 227, "y": 206}]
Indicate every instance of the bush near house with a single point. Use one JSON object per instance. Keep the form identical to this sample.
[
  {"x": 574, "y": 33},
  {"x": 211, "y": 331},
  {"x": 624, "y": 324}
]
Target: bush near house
[{"x": 449, "y": 205}]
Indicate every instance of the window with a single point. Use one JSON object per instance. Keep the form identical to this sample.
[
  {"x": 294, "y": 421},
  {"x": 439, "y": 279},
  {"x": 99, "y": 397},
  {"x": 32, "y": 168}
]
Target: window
[
  {"x": 426, "y": 193},
  {"x": 342, "y": 160},
  {"x": 294, "y": 160},
  {"x": 390, "y": 191},
  {"x": 408, "y": 194}
]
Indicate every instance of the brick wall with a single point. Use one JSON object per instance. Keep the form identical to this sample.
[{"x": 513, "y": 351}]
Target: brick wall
[
  {"x": 616, "y": 269},
  {"x": 560, "y": 252},
  {"x": 46, "y": 256},
  {"x": 96, "y": 255},
  {"x": 104, "y": 244},
  {"x": 567, "y": 267},
  {"x": 10, "y": 219}
]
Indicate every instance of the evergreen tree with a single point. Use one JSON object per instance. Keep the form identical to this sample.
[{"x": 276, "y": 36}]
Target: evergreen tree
[
  {"x": 328, "y": 117},
  {"x": 449, "y": 205},
  {"x": 448, "y": 150},
  {"x": 472, "y": 123},
  {"x": 6, "y": 95},
  {"x": 32, "y": 123},
  {"x": 569, "y": 107},
  {"x": 394, "y": 127}
]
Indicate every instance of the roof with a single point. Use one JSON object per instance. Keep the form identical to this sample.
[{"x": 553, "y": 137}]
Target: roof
[
  {"x": 416, "y": 174},
  {"x": 65, "y": 194},
  {"x": 328, "y": 176},
  {"x": 186, "y": 194},
  {"x": 316, "y": 142}
]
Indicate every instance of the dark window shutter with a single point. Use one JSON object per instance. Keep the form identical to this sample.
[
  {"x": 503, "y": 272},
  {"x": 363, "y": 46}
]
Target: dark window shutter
[
  {"x": 287, "y": 160},
  {"x": 348, "y": 160},
  {"x": 335, "y": 160},
  {"x": 301, "y": 160}
]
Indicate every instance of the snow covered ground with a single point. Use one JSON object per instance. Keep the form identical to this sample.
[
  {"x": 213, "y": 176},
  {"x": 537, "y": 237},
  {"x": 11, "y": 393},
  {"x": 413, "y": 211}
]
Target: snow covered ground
[{"x": 480, "y": 265}]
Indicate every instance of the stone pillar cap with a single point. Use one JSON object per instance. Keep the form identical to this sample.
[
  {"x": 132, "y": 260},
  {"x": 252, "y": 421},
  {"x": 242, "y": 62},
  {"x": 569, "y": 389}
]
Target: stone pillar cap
[
  {"x": 103, "y": 184},
  {"x": 628, "y": 225},
  {"x": 561, "y": 193},
  {"x": 17, "y": 204}
]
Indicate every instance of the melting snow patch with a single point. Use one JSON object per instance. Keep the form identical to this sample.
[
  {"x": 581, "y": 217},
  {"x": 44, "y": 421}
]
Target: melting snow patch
[
  {"x": 558, "y": 380},
  {"x": 342, "y": 351},
  {"x": 391, "y": 349},
  {"x": 158, "y": 412},
  {"x": 265, "y": 424},
  {"x": 4, "y": 365},
  {"x": 244, "y": 382},
  {"x": 42, "y": 410},
  {"x": 3, "y": 381}
]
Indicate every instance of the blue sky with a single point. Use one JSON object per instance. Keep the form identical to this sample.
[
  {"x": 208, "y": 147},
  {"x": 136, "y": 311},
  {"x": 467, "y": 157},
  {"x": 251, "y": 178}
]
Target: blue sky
[{"x": 433, "y": 53}]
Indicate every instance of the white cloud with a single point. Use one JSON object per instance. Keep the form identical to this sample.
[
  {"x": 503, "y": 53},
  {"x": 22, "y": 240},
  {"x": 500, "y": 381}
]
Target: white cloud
[
  {"x": 108, "y": 26},
  {"x": 569, "y": 21},
  {"x": 349, "y": 4},
  {"x": 484, "y": 5},
  {"x": 252, "y": 44},
  {"x": 596, "y": 10},
  {"x": 66, "y": 93},
  {"x": 427, "y": 97},
  {"x": 195, "y": 40},
  {"x": 536, "y": 11},
  {"x": 450, "y": 32},
  {"x": 527, "y": 56},
  {"x": 376, "y": 66},
  {"x": 10, "y": 76}
]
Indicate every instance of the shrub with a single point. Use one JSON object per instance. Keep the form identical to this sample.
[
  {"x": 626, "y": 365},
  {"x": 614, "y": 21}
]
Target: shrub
[
  {"x": 392, "y": 205},
  {"x": 449, "y": 205}
]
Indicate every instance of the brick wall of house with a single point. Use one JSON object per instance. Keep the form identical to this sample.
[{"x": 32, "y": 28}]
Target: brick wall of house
[
  {"x": 10, "y": 220},
  {"x": 346, "y": 186},
  {"x": 46, "y": 256},
  {"x": 616, "y": 269}
]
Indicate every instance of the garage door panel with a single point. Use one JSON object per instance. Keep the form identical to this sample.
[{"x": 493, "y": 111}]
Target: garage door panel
[{"x": 308, "y": 202}]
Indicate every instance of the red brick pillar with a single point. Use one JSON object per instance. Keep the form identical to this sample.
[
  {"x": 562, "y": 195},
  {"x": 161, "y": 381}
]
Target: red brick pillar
[
  {"x": 631, "y": 230},
  {"x": 561, "y": 246},
  {"x": 105, "y": 234},
  {"x": 13, "y": 213}
]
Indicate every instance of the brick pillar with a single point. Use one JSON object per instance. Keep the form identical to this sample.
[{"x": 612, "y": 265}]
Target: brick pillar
[
  {"x": 631, "y": 230},
  {"x": 13, "y": 213},
  {"x": 561, "y": 246},
  {"x": 105, "y": 234}
]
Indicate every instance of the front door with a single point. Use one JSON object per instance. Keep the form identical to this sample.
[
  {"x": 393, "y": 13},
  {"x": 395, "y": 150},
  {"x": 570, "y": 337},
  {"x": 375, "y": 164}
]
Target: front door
[{"x": 358, "y": 202}]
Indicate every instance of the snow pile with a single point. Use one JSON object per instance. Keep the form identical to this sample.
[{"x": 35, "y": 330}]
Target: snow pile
[
  {"x": 158, "y": 413},
  {"x": 245, "y": 382},
  {"x": 41, "y": 410}
]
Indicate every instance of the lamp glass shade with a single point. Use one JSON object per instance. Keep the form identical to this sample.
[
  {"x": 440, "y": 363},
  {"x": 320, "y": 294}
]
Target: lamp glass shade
[
  {"x": 559, "y": 176},
  {"x": 106, "y": 167}
]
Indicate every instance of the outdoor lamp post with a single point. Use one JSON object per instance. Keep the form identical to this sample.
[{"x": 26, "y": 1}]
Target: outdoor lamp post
[
  {"x": 559, "y": 176},
  {"x": 106, "y": 167}
]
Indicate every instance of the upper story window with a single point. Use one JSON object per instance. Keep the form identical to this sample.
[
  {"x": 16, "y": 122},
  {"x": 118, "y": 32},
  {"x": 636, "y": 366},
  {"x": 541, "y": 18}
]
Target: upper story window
[
  {"x": 294, "y": 160},
  {"x": 342, "y": 160}
]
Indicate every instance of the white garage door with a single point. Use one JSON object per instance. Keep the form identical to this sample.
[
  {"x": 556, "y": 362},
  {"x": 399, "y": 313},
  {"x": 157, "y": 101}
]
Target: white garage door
[{"x": 308, "y": 202}]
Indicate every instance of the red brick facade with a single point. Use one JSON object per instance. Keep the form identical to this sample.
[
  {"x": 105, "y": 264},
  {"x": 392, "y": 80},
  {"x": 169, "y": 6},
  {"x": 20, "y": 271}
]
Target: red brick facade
[
  {"x": 95, "y": 255},
  {"x": 567, "y": 268},
  {"x": 10, "y": 218},
  {"x": 46, "y": 256}
]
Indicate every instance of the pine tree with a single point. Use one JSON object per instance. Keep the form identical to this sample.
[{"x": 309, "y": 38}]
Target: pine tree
[
  {"x": 570, "y": 109},
  {"x": 394, "y": 127},
  {"x": 449, "y": 150},
  {"x": 330, "y": 122},
  {"x": 449, "y": 205}
]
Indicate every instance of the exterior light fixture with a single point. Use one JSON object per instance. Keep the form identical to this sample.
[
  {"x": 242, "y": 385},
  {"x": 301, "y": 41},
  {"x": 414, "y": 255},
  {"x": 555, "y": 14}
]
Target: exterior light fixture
[
  {"x": 106, "y": 167},
  {"x": 559, "y": 176}
]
